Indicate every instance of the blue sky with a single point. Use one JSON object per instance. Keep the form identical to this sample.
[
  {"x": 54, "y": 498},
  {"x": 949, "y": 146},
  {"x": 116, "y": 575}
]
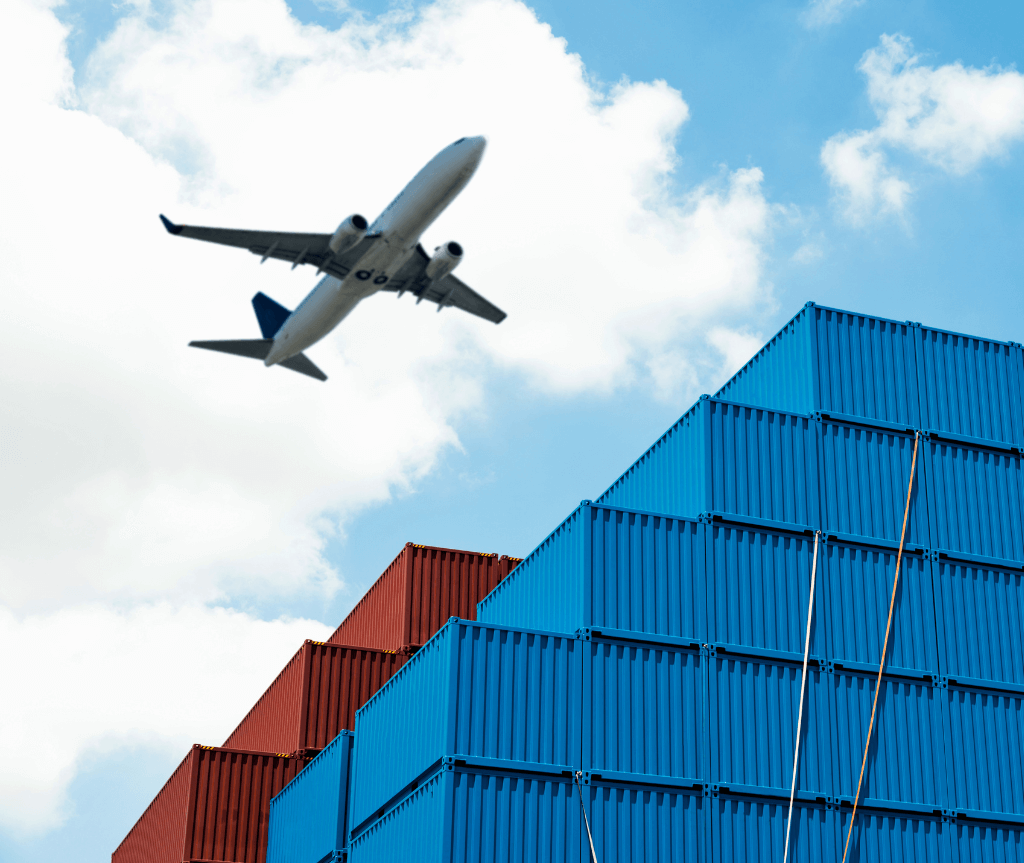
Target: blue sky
[{"x": 259, "y": 511}]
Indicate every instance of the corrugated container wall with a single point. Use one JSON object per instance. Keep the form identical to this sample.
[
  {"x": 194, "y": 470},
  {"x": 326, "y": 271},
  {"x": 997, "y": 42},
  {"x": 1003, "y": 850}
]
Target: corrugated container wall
[
  {"x": 214, "y": 808},
  {"x": 887, "y": 371},
  {"x": 478, "y": 816},
  {"x": 608, "y": 568},
  {"x": 472, "y": 690},
  {"x": 308, "y": 818},
  {"x": 314, "y": 697},
  {"x": 417, "y": 593}
]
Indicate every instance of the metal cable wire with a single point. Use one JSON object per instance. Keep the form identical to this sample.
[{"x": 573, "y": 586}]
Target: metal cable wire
[
  {"x": 576, "y": 778},
  {"x": 885, "y": 646},
  {"x": 803, "y": 688}
]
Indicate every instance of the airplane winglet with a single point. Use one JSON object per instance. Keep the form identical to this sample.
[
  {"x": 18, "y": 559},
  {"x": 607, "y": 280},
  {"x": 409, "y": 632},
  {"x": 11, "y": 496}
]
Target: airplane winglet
[{"x": 171, "y": 227}]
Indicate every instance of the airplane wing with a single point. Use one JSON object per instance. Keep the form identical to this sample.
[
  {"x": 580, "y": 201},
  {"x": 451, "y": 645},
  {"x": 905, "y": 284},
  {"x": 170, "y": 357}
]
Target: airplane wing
[
  {"x": 297, "y": 248},
  {"x": 449, "y": 291}
]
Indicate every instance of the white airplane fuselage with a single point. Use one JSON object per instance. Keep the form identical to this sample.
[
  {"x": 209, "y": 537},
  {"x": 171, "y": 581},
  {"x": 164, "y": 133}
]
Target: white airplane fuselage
[{"x": 400, "y": 227}]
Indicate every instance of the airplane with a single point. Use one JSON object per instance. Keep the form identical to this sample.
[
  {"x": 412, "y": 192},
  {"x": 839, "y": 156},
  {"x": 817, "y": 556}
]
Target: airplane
[{"x": 359, "y": 260}]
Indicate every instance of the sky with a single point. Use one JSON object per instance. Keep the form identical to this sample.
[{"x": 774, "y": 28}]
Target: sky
[{"x": 665, "y": 185}]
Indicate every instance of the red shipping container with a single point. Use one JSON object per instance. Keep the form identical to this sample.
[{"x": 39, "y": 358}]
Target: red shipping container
[
  {"x": 416, "y": 595},
  {"x": 213, "y": 808},
  {"x": 314, "y": 697}
]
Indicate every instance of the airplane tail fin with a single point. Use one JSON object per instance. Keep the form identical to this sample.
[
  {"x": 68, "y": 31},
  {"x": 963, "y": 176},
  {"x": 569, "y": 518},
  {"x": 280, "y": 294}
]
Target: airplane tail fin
[
  {"x": 258, "y": 349},
  {"x": 270, "y": 314}
]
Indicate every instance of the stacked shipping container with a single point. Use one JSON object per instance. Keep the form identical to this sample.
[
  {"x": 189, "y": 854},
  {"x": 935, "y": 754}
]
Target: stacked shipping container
[
  {"x": 686, "y": 585},
  {"x": 216, "y": 805}
]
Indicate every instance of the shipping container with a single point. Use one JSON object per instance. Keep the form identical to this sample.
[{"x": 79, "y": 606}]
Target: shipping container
[
  {"x": 907, "y": 761},
  {"x": 858, "y": 584},
  {"x": 864, "y": 478},
  {"x": 472, "y": 690},
  {"x": 314, "y": 697},
  {"x": 970, "y": 386},
  {"x": 417, "y": 593},
  {"x": 631, "y": 821},
  {"x": 213, "y": 808},
  {"x": 754, "y": 703},
  {"x": 975, "y": 500},
  {"x": 987, "y": 751},
  {"x": 724, "y": 457},
  {"x": 890, "y": 372},
  {"x": 308, "y": 817},
  {"x": 753, "y": 830},
  {"x": 644, "y": 709},
  {"x": 758, "y": 583},
  {"x": 610, "y": 569},
  {"x": 980, "y": 611},
  {"x": 474, "y": 815}
]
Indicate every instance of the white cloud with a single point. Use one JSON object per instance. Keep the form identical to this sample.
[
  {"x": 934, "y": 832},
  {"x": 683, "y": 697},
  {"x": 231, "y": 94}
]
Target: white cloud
[
  {"x": 144, "y": 476},
  {"x": 822, "y": 13},
  {"x": 953, "y": 117},
  {"x": 91, "y": 680}
]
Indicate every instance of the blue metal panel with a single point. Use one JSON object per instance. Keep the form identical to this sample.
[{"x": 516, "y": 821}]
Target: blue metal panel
[
  {"x": 546, "y": 590},
  {"x": 671, "y": 477},
  {"x": 976, "y": 500},
  {"x": 413, "y": 831},
  {"x": 859, "y": 585},
  {"x": 647, "y": 574},
  {"x": 907, "y": 759},
  {"x": 307, "y": 818},
  {"x": 611, "y": 568},
  {"x": 780, "y": 375},
  {"x": 988, "y": 843},
  {"x": 752, "y": 725},
  {"x": 970, "y": 386},
  {"x": 632, "y": 822},
  {"x": 892, "y": 837},
  {"x": 764, "y": 464},
  {"x": 987, "y": 750},
  {"x": 864, "y": 483},
  {"x": 753, "y": 830},
  {"x": 730, "y": 458},
  {"x": 980, "y": 610},
  {"x": 643, "y": 709},
  {"x": 758, "y": 583},
  {"x": 402, "y": 729},
  {"x": 474, "y": 816},
  {"x": 472, "y": 690},
  {"x": 867, "y": 367}
]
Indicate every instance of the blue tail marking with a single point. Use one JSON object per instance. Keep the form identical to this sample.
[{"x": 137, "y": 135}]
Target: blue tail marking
[{"x": 271, "y": 315}]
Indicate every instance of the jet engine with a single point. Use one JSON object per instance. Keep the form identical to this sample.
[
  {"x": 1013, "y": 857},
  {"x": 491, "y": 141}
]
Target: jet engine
[
  {"x": 349, "y": 232},
  {"x": 445, "y": 259}
]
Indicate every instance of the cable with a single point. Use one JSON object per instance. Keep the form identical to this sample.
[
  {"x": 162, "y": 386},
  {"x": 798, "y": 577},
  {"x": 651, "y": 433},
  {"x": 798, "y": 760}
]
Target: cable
[
  {"x": 885, "y": 646},
  {"x": 803, "y": 687},
  {"x": 576, "y": 778}
]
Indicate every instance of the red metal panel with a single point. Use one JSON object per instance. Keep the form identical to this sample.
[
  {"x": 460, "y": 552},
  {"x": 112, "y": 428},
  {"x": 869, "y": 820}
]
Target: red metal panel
[
  {"x": 417, "y": 593},
  {"x": 159, "y": 835},
  {"x": 273, "y": 723},
  {"x": 213, "y": 808},
  {"x": 315, "y": 697}
]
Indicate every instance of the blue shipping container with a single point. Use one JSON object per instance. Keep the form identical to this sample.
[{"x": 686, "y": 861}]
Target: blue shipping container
[
  {"x": 473, "y": 690},
  {"x": 307, "y": 818},
  {"x": 611, "y": 569},
  {"x": 882, "y": 836},
  {"x": 842, "y": 363},
  {"x": 753, "y": 830},
  {"x": 731, "y": 458},
  {"x": 478, "y": 816}
]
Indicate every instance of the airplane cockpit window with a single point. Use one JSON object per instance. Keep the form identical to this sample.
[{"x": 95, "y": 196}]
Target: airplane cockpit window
[{"x": 458, "y": 142}]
